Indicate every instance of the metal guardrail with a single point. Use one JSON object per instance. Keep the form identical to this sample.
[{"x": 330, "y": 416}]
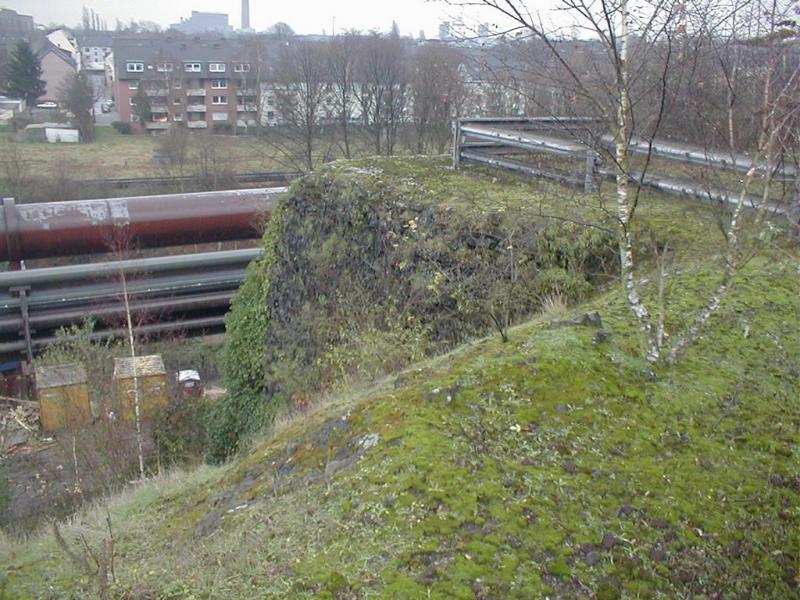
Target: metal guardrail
[
  {"x": 113, "y": 268},
  {"x": 181, "y": 292},
  {"x": 490, "y": 141}
]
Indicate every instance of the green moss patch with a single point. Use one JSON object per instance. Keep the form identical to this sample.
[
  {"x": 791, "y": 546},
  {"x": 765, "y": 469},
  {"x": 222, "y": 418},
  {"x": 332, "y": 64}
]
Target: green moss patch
[{"x": 554, "y": 464}]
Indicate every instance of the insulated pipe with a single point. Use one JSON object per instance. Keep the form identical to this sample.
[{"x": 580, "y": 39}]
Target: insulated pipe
[{"x": 52, "y": 229}]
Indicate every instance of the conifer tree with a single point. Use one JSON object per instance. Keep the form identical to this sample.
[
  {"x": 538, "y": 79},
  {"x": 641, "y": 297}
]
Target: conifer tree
[
  {"x": 24, "y": 74},
  {"x": 141, "y": 105}
]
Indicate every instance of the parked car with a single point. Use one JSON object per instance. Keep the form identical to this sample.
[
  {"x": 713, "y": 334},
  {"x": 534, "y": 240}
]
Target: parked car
[
  {"x": 47, "y": 105},
  {"x": 106, "y": 106}
]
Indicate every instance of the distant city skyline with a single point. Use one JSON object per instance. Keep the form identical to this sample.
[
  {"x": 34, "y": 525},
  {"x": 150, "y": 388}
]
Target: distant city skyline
[{"x": 303, "y": 16}]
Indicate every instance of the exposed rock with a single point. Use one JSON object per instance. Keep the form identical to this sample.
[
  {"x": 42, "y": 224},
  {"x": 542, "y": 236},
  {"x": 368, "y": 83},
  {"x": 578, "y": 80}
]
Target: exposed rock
[
  {"x": 600, "y": 336},
  {"x": 592, "y": 558},
  {"x": 591, "y": 319},
  {"x": 609, "y": 541}
]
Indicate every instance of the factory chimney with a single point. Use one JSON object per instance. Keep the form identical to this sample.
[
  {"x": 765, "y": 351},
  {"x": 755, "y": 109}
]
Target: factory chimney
[{"x": 246, "y": 14}]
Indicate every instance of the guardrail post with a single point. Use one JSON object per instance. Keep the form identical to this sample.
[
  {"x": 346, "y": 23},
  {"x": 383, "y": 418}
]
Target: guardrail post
[
  {"x": 22, "y": 293},
  {"x": 456, "y": 143},
  {"x": 589, "y": 182}
]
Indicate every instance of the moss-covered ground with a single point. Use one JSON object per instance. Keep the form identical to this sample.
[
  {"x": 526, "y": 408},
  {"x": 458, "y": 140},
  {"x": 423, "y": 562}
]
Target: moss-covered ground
[{"x": 559, "y": 464}]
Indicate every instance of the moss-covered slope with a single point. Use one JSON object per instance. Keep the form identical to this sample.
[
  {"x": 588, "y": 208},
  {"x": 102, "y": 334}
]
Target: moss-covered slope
[
  {"x": 550, "y": 465},
  {"x": 369, "y": 266},
  {"x": 558, "y": 464}
]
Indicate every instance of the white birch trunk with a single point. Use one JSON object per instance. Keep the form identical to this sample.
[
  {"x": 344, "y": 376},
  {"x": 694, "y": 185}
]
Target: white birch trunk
[
  {"x": 766, "y": 147},
  {"x": 137, "y": 396},
  {"x": 623, "y": 196}
]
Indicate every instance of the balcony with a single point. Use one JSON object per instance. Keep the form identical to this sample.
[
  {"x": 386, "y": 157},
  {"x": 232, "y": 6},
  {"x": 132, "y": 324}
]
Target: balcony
[
  {"x": 197, "y": 124},
  {"x": 197, "y": 108},
  {"x": 196, "y": 92},
  {"x": 246, "y": 108},
  {"x": 159, "y": 92},
  {"x": 246, "y": 93},
  {"x": 157, "y": 125}
]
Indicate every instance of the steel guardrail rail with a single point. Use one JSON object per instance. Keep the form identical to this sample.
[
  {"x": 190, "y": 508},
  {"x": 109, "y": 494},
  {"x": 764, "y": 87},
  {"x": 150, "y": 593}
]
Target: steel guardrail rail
[{"x": 113, "y": 268}]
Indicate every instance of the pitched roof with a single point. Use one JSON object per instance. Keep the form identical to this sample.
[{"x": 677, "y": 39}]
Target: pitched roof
[
  {"x": 177, "y": 48},
  {"x": 60, "y": 375},
  {"x": 145, "y": 366},
  {"x": 45, "y": 47},
  {"x": 101, "y": 39}
]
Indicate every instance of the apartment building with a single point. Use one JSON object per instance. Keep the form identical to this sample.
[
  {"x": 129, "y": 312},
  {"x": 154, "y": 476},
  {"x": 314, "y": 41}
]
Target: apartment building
[
  {"x": 202, "y": 82},
  {"x": 94, "y": 47},
  {"x": 11, "y": 22}
]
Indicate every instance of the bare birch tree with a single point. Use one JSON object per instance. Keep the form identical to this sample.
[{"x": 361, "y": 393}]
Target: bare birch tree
[{"x": 629, "y": 84}]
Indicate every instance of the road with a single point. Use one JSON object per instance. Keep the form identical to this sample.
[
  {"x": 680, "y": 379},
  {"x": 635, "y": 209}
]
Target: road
[{"x": 102, "y": 118}]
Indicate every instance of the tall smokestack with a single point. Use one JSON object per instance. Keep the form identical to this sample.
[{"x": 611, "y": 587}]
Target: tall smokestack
[{"x": 245, "y": 14}]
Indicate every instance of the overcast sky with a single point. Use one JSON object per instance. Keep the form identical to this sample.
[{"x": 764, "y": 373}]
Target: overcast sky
[{"x": 304, "y": 16}]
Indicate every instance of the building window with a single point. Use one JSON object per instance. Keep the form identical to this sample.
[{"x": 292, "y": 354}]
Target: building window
[
  {"x": 216, "y": 67},
  {"x": 133, "y": 84},
  {"x": 176, "y": 101},
  {"x": 219, "y": 100},
  {"x": 164, "y": 67},
  {"x": 193, "y": 67},
  {"x": 134, "y": 67},
  {"x": 178, "y": 84},
  {"x": 270, "y": 115},
  {"x": 219, "y": 84},
  {"x": 241, "y": 68},
  {"x": 219, "y": 116}
]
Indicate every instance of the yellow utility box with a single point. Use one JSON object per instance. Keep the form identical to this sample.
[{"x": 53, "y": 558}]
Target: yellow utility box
[
  {"x": 63, "y": 394},
  {"x": 152, "y": 378}
]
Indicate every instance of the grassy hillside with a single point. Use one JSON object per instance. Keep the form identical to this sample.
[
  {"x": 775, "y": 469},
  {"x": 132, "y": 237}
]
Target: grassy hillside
[
  {"x": 370, "y": 266},
  {"x": 557, "y": 464}
]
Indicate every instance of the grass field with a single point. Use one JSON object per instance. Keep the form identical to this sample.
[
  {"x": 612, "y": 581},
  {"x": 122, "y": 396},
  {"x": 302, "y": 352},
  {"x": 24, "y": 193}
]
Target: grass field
[{"x": 115, "y": 155}]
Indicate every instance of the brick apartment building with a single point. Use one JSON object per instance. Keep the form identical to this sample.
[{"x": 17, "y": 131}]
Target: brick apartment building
[{"x": 201, "y": 82}]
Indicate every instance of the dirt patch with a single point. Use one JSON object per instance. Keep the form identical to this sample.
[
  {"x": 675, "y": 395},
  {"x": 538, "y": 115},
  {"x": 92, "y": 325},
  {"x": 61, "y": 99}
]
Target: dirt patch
[{"x": 52, "y": 476}]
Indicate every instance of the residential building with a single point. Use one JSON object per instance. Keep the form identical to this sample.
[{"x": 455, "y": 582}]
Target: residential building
[
  {"x": 202, "y": 82},
  {"x": 64, "y": 40},
  {"x": 94, "y": 47},
  {"x": 57, "y": 65},
  {"x": 203, "y": 22},
  {"x": 11, "y": 22},
  {"x": 110, "y": 74}
]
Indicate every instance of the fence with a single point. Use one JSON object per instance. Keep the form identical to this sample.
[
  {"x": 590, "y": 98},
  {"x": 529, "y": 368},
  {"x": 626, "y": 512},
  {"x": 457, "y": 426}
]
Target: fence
[{"x": 496, "y": 141}]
